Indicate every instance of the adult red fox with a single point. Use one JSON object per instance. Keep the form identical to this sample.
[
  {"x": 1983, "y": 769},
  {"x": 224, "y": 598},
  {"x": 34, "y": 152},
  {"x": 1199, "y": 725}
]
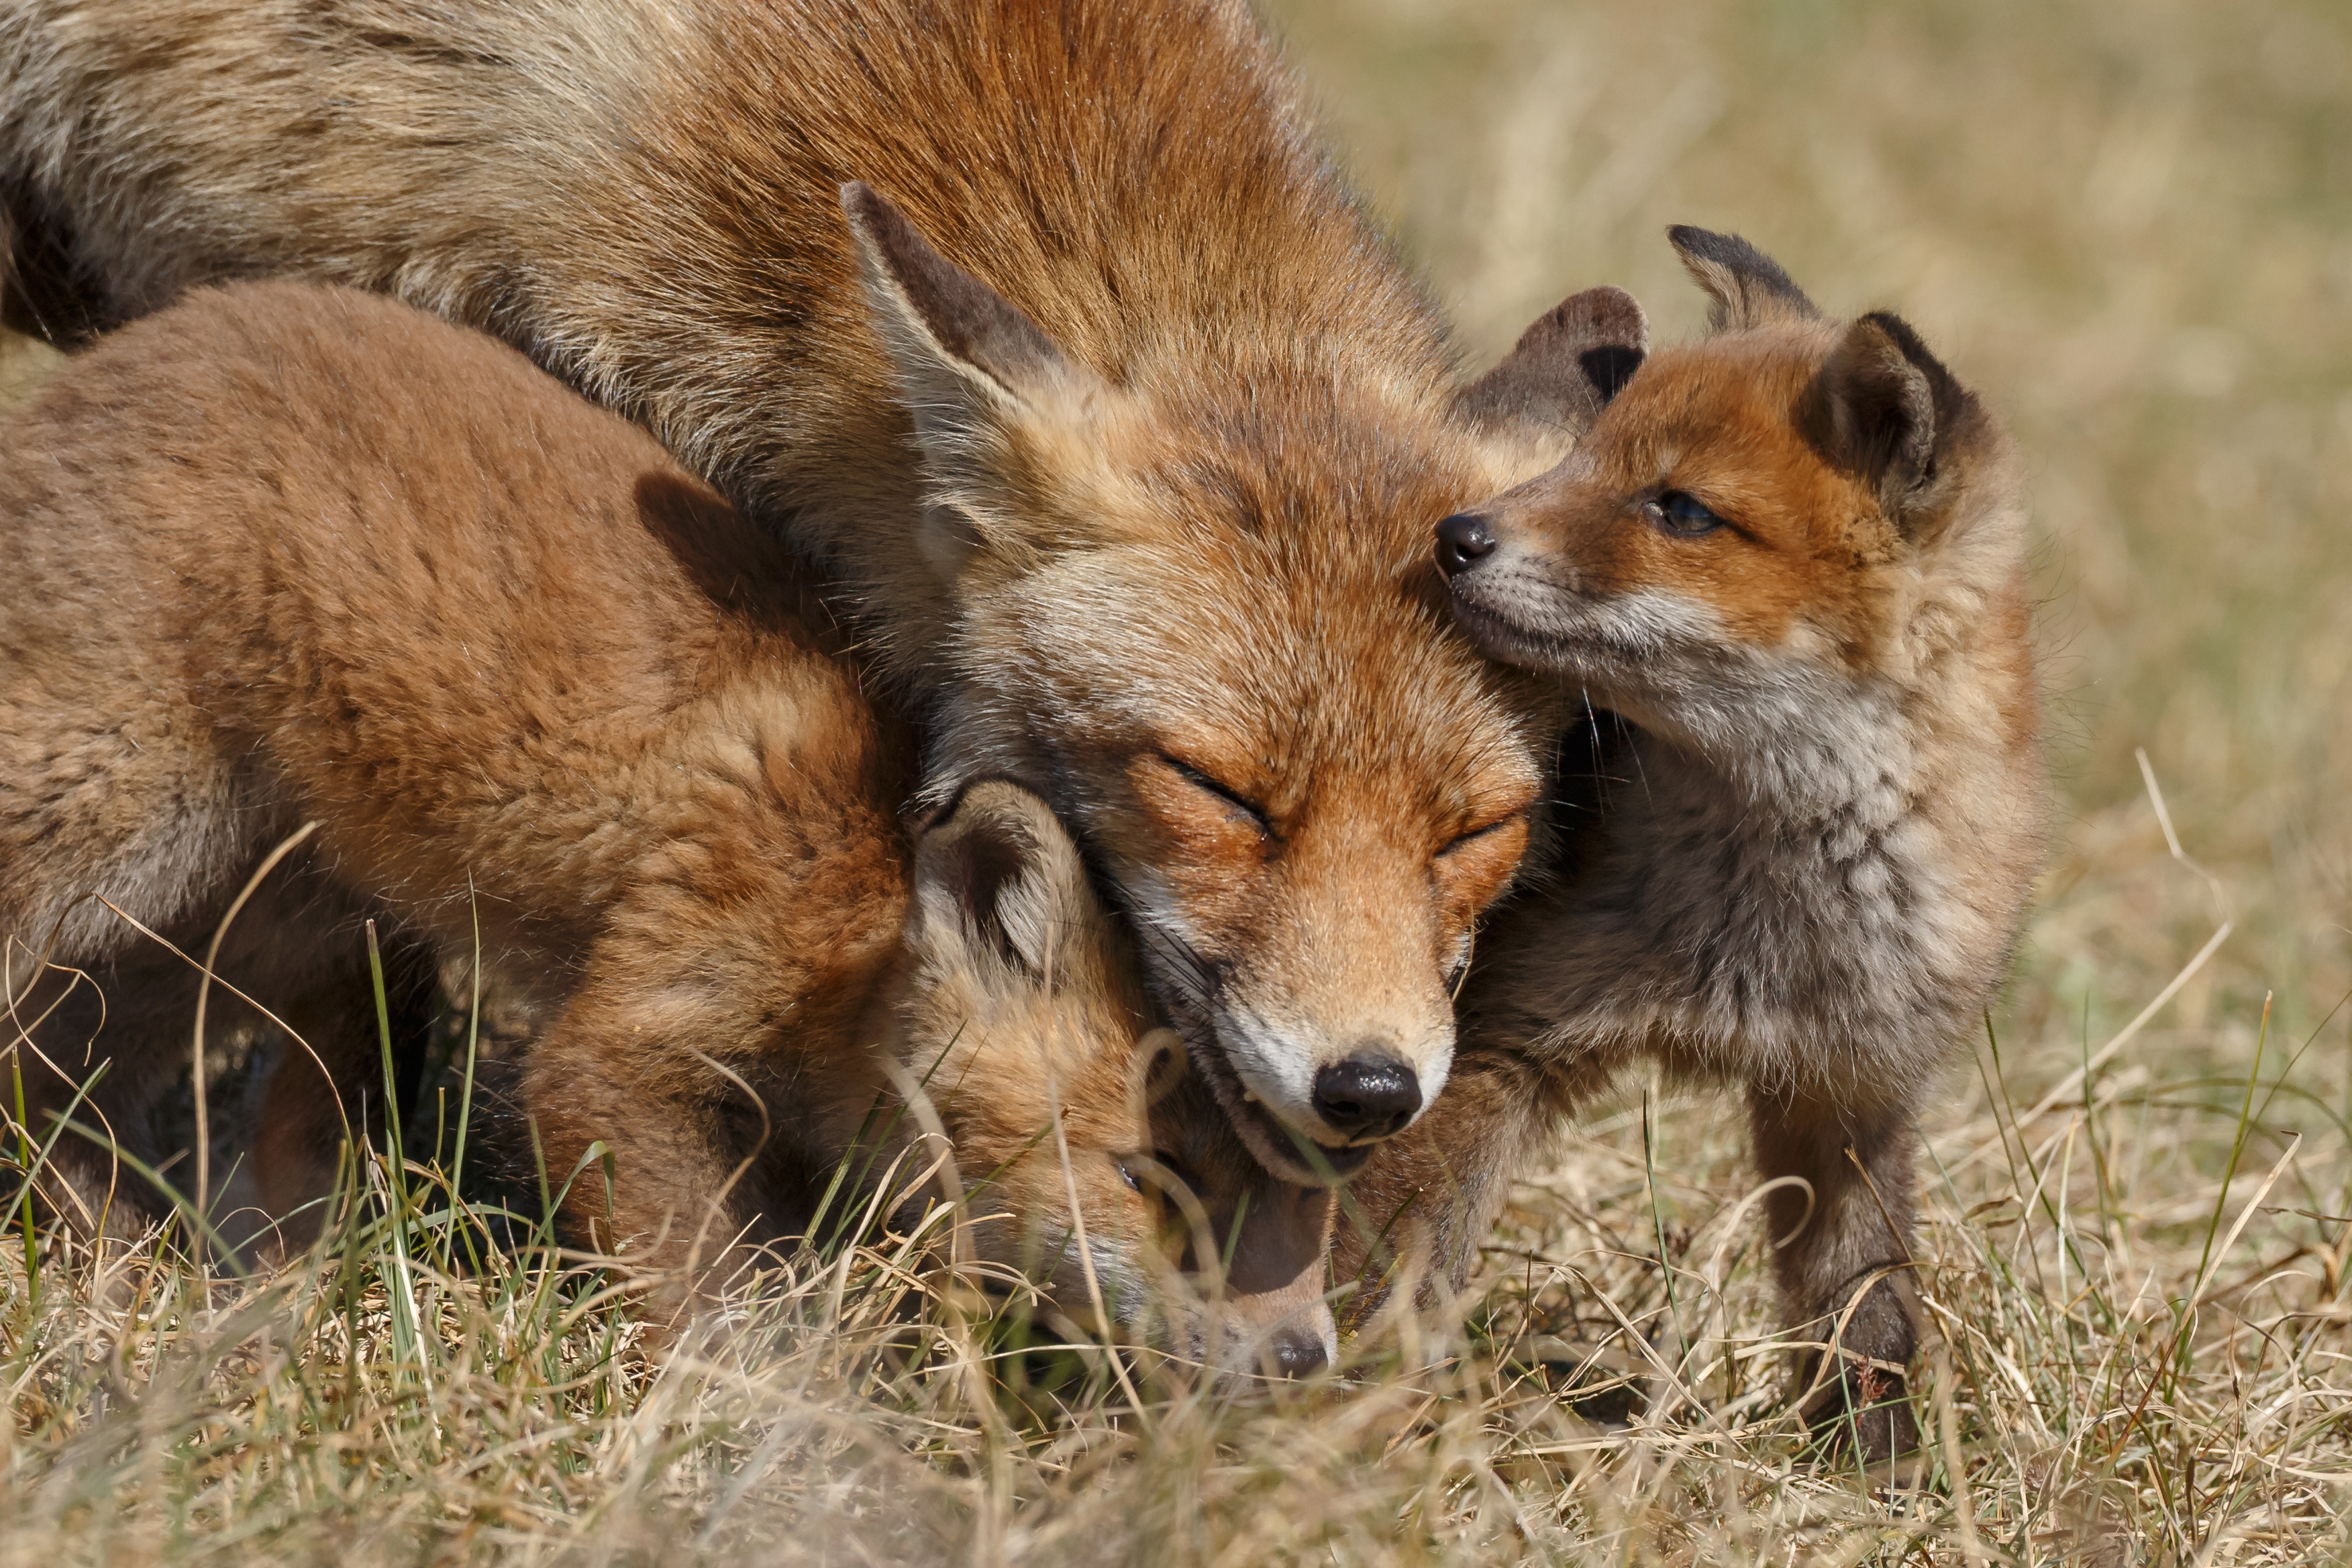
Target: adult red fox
[
  {"x": 1116, "y": 428},
  {"x": 288, "y": 554},
  {"x": 1792, "y": 558}
]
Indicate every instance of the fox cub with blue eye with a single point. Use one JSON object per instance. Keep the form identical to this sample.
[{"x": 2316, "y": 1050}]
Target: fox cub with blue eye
[{"x": 1788, "y": 564}]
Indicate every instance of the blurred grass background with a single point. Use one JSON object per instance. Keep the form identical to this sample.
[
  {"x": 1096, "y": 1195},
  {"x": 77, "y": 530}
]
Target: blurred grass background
[{"x": 2130, "y": 225}]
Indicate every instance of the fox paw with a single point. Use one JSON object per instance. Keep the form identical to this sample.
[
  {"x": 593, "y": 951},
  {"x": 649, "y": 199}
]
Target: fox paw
[{"x": 1864, "y": 1413}]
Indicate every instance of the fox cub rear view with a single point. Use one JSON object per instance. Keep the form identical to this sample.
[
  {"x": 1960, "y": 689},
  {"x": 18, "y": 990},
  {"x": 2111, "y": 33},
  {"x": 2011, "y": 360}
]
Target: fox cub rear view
[{"x": 287, "y": 555}]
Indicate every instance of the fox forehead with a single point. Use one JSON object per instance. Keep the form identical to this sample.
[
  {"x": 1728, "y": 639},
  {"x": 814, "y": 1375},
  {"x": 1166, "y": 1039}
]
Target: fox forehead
[
  {"x": 1283, "y": 678},
  {"x": 1725, "y": 421}
]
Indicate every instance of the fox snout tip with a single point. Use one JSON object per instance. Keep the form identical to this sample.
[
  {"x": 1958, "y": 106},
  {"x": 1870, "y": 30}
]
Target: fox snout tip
[
  {"x": 1313, "y": 1108},
  {"x": 1463, "y": 540},
  {"x": 1298, "y": 1347},
  {"x": 1367, "y": 1097},
  {"x": 1295, "y": 1350}
]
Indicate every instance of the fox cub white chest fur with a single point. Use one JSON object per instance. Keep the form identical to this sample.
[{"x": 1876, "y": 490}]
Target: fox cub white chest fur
[
  {"x": 1791, "y": 558},
  {"x": 286, "y": 554}
]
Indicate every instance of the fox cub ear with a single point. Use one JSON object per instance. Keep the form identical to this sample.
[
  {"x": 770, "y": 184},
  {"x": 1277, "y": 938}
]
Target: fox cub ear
[
  {"x": 1749, "y": 288},
  {"x": 1565, "y": 367},
  {"x": 1000, "y": 889},
  {"x": 1886, "y": 409}
]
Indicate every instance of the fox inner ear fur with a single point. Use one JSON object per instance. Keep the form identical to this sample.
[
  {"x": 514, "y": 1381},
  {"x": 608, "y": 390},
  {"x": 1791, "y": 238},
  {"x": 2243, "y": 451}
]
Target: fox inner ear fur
[
  {"x": 940, "y": 319},
  {"x": 1564, "y": 368},
  {"x": 997, "y": 876},
  {"x": 1885, "y": 408},
  {"x": 973, "y": 371},
  {"x": 1749, "y": 288}
]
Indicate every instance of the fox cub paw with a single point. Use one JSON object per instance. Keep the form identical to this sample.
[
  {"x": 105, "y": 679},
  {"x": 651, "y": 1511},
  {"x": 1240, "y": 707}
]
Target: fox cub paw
[{"x": 1865, "y": 1414}]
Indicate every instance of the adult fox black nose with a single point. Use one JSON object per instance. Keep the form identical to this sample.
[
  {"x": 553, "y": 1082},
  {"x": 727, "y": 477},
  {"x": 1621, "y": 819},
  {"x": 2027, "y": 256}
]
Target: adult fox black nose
[
  {"x": 1367, "y": 1096},
  {"x": 1295, "y": 1353},
  {"x": 1463, "y": 540}
]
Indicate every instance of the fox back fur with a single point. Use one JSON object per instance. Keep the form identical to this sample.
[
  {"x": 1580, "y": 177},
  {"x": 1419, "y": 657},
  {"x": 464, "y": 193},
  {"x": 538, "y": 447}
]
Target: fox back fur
[
  {"x": 1044, "y": 329},
  {"x": 288, "y": 555},
  {"x": 1791, "y": 558}
]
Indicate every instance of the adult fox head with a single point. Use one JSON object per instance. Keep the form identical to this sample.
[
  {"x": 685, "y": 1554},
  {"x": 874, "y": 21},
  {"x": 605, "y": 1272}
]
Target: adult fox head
[
  {"x": 1762, "y": 529},
  {"x": 1196, "y": 615},
  {"x": 1087, "y": 1155}
]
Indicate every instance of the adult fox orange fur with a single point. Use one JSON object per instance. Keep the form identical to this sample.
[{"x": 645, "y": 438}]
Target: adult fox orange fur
[
  {"x": 1140, "y": 521},
  {"x": 289, "y": 554},
  {"x": 1792, "y": 556}
]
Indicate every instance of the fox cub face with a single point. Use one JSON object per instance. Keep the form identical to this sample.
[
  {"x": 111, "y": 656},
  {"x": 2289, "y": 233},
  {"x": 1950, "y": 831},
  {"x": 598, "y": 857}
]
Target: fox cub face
[
  {"x": 1752, "y": 522},
  {"x": 1300, "y": 781},
  {"x": 1090, "y": 1157}
]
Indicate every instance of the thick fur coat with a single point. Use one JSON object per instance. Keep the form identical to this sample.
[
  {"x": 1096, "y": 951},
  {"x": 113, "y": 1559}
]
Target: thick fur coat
[
  {"x": 1114, "y": 426},
  {"x": 1791, "y": 560},
  {"x": 286, "y": 555}
]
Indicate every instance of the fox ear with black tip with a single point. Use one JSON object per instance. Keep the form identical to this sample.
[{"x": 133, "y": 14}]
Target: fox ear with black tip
[
  {"x": 1000, "y": 891},
  {"x": 1749, "y": 288},
  {"x": 1564, "y": 370},
  {"x": 1886, "y": 409}
]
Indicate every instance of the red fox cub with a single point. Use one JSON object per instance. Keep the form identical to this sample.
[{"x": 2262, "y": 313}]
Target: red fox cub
[
  {"x": 1116, "y": 428},
  {"x": 288, "y": 554},
  {"x": 1792, "y": 558}
]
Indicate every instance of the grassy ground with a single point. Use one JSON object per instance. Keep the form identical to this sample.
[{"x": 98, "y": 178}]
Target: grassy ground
[{"x": 2132, "y": 226}]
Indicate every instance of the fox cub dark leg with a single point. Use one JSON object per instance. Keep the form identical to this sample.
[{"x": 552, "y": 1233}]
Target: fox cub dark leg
[
  {"x": 1420, "y": 1210},
  {"x": 331, "y": 1086},
  {"x": 1857, "y": 1168},
  {"x": 91, "y": 1050}
]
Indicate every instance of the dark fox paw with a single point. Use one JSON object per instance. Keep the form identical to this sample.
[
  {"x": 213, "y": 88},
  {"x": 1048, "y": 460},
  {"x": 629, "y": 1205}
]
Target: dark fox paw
[{"x": 1865, "y": 1414}]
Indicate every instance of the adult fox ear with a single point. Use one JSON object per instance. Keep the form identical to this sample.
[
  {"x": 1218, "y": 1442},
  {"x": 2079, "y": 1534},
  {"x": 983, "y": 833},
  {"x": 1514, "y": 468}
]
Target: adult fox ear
[
  {"x": 1748, "y": 288},
  {"x": 1564, "y": 370},
  {"x": 974, "y": 370},
  {"x": 1884, "y": 408},
  {"x": 1000, "y": 892}
]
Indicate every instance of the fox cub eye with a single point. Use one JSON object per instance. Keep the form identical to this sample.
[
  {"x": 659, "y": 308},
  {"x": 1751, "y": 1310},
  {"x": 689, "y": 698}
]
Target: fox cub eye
[
  {"x": 1683, "y": 515},
  {"x": 1177, "y": 1171},
  {"x": 1170, "y": 1173},
  {"x": 1232, "y": 799}
]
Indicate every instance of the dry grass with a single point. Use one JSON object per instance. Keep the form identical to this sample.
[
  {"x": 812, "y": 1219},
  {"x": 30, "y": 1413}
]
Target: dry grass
[{"x": 2132, "y": 226}]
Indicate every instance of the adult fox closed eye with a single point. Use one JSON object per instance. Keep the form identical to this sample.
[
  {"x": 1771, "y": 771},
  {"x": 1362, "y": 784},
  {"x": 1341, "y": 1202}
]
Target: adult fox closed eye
[
  {"x": 288, "y": 554},
  {"x": 1145, "y": 530},
  {"x": 1792, "y": 556}
]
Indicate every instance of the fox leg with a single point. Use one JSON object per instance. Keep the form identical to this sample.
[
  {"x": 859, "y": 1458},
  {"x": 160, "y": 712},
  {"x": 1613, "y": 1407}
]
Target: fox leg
[
  {"x": 1422, "y": 1205},
  {"x": 675, "y": 1205},
  {"x": 329, "y": 1085},
  {"x": 1845, "y": 1226},
  {"x": 100, "y": 1047}
]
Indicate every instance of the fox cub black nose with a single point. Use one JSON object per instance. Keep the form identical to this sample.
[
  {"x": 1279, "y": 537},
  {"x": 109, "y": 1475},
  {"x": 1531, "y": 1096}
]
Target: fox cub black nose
[
  {"x": 1296, "y": 1352},
  {"x": 1367, "y": 1097},
  {"x": 1463, "y": 541}
]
